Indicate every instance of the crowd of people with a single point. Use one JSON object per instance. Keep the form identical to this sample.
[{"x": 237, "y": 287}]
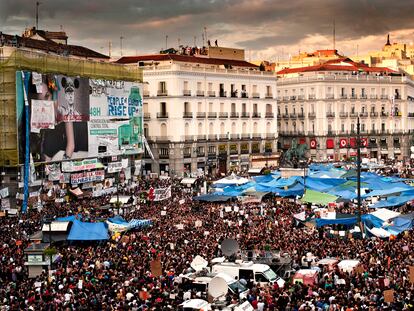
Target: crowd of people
[{"x": 116, "y": 274}]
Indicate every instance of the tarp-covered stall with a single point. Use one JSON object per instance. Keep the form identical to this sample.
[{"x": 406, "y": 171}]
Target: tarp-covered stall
[{"x": 88, "y": 231}]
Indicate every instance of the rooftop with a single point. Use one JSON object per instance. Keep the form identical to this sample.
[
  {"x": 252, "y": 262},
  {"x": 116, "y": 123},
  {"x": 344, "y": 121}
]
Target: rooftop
[
  {"x": 340, "y": 64},
  {"x": 49, "y": 46},
  {"x": 185, "y": 59}
]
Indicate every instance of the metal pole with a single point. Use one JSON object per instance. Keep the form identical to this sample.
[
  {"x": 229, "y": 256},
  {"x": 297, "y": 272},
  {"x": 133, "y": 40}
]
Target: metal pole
[{"x": 358, "y": 142}]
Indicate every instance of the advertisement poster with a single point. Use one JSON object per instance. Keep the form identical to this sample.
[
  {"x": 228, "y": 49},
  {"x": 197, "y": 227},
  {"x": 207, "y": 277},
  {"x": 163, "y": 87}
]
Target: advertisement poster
[{"x": 76, "y": 118}]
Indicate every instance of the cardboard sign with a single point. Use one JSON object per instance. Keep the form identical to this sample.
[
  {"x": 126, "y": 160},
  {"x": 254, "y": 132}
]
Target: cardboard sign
[
  {"x": 412, "y": 274},
  {"x": 389, "y": 295},
  {"x": 156, "y": 268}
]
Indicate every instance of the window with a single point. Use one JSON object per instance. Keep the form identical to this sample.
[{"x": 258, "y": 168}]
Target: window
[
  {"x": 199, "y": 86},
  {"x": 233, "y": 128},
  {"x": 362, "y": 127},
  {"x": 342, "y": 127},
  {"x": 187, "y": 129},
  {"x": 163, "y": 108},
  {"x": 363, "y": 109},
  {"x": 145, "y": 107},
  {"x": 211, "y": 149},
  {"x": 210, "y": 86},
  {"x": 353, "y": 109},
  {"x": 372, "y": 108},
  {"x": 268, "y": 90},
  {"x": 146, "y": 131},
  {"x": 186, "y": 107},
  {"x": 363, "y": 92},
  {"x": 221, "y": 107},
  {"x": 294, "y": 110},
  {"x": 245, "y": 274},
  {"x": 383, "y": 127},
  {"x": 186, "y": 85},
  {"x": 373, "y": 126},
  {"x": 312, "y": 108},
  {"x": 200, "y": 107},
  {"x": 233, "y": 108},
  {"x": 255, "y": 127},
  {"x": 329, "y": 128},
  {"x": 210, "y": 107},
  {"x": 268, "y": 108},
  {"x": 352, "y": 127},
  {"x": 313, "y": 127},
  {"x": 163, "y": 130},
  {"x": 222, "y": 128},
  {"x": 353, "y": 92},
  {"x": 342, "y": 91},
  {"x": 211, "y": 128},
  {"x": 286, "y": 110},
  {"x": 244, "y": 128},
  {"x": 255, "y": 109},
  {"x": 254, "y": 88},
  {"x": 260, "y": 278},
  {"x": 163, "y": 87},
  {"x": 200, "y": 128}
]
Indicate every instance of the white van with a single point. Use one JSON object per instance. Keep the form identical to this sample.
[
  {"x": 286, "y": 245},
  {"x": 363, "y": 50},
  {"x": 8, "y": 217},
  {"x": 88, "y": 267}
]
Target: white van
[
  {"x": 200, "y": 282},
  {"x": 249, "y": 271}
]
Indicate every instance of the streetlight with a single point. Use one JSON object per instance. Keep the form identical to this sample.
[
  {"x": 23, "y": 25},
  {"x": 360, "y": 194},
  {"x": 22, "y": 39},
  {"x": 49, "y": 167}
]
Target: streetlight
[{"x": 358, "y": 142}]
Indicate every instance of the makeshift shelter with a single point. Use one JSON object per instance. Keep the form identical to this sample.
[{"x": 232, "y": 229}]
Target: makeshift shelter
[
  {"x": 55, "y": 231},
  {"x": 393, "y": 201},
  {"x": 385, "y": 214},
  {"x": 118, "y": 224},
  {"x": 230, "y": 180},
  {"x": 316, "y": 197},
  {"x": 212, "y": 198},
  {"x": 88, "y": 231}
]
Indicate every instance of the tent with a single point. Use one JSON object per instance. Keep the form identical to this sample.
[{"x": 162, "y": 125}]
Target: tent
[
  {"x": 88, "y": 231},
  {"x": 118, "y": 224},
  {"x": 393, "y": 201},
  {"x": 212, "y": 198},
  {"x": 188, "y": 181},
  {"x": 401, "y": 223},
  {"x": 385, "y": 214},
  {"x": 230, "y": 180},
  {"x": 316, "y": 197}
]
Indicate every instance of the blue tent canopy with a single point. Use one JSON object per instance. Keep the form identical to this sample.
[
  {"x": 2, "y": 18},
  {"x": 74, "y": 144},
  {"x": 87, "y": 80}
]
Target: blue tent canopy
[
  {"x": 70, "y": 218},
  {"x": 88, "y": 231},
  {"x": 368, "y": 220},
  {"x": 393, "y": 201},
  {"x": 282, "y": 182},
  {"x": 212, "y": 198}
]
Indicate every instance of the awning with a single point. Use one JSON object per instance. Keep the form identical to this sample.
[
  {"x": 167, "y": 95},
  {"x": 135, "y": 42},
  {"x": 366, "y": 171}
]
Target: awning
[
  {"x": 188, "y": 181},
  {"x": 254, "y": 171}
]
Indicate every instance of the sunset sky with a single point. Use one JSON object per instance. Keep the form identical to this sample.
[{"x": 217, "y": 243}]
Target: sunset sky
[{"x": 266, "y": 29}]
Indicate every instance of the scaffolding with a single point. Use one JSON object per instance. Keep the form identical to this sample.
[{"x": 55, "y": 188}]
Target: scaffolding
[{"x": 14, "y": 59}]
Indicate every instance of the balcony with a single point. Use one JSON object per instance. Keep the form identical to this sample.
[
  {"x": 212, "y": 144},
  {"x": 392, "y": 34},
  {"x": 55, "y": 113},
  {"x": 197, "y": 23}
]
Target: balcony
[
  {"x": 410, "y": 115},
  {"x": 301, "y": 116},
  {"x": 187, "y": 115},
  {"x": 223, "y": 115},
  {"x": 162, "y": 93},
  {"x": 234, "y": 136},
  {"x": 353, "y": 114},
  {"x": 200, "y": 93},
  {"x": 330, "y": 114},
  {"x": 343, "y": 114},
  {"x": 256, "y": 136},
  {"x": 343, "y": 96},
  {"x": 256, "y": 115},
  {"x": 244, "y": 94},
  {"x": 164, "y": 155},
  {"x": 223, "y": 137},
  {"x": 201, "y": 137},
  {"x": 223, "y": 93},
  {"x": 330, "y": 96},
  {"x": 353, "y": 96},
  {"x": 245, "y": 115},
  {"x": 164, "y": 139},
  {"x": 201, "y": 154},
  {"x": 311, "y": 115},
  {"x": 212, "y": 137},
  {"x": 269, "y": 115},
  {"x": 397, "y": 96},
  {"x": 201, "y": 115},
  {"x": 212, "y": 115},
  {"x": 384, "y": 114},
  {"x": 293, "y": 115},
  {"x": 311, "y": 96},
  {"x": 373, "y": 96},
  {"x": 188, "y": 138},
  {"x": 285, "y": 98},
  {"x": 383, "y": 96},
  {"x": 255, "y": 95},
  {"x": 285, "y": 116},
  {"x": 293, "y": 97},
  {"x": 147, "y": 116},
  {"x": 301, "y": 97},
  {"x": 363, "y": 114},
  {"x": 187, "y": 92},
  {"x": 373, "y": 114},
  {"x": 363, "y": 96},
  {"x": 233, "y": 94},
  {"x": 269, "y": 95},
  {"x": 211, "y": 94},
  {"x": 270, "y": 135},
  {"x": 245, "y": 136},
  {"x": 146, "y": 93},
  {"x": 234, "y": 115},
  {"x": 187, "y": 155},
  {"x": 162, "y": 115}
]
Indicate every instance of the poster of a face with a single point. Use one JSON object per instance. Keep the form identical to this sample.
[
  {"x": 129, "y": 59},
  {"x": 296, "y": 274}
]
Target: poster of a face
[{"x": 72, "y": 99}]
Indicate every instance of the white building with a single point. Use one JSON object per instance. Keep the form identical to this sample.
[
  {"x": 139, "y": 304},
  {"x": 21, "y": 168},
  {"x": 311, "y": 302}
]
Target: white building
[
  {"x": 212, "y": 112},
  {"x": 319, "y": 105}
]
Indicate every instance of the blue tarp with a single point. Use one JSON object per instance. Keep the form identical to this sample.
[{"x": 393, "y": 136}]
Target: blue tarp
[
  {"x": 134, "y": 223},
  {"x": 88, "y": 231},
  {"x": 70, "y": 218},
  {"x": 368, "y": 220},
  {"x": 212, "y": 198},
  {"x": 296, "y": 190},
  {"x": 322, "y": 184},
  {"x": 393, "y": 201},
  {"x": 401, "y": 223},
  {"x": 388, "y": 191},
  {"x": 281, "y": 182}
]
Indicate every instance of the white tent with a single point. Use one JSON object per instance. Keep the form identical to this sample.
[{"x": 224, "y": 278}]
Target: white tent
[
  {"x": 188, "y": 181},
  {"x": 385, "y": 214},
  {"x": 348, "y": 265},
  {"x": 231, "y": 180}
]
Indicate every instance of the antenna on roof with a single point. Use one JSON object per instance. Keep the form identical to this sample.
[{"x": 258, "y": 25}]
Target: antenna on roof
[
  {"x": 37, "y": 13},
  {"x": 334, "y": 34},
  {"x": 120, "y": 39}
]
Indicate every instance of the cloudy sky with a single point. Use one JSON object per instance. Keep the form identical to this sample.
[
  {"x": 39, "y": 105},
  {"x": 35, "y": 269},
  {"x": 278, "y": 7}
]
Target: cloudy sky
[{"x": 267, "y": 29}]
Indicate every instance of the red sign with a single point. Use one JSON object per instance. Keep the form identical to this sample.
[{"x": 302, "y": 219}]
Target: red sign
[
  {"x": 151, "y": 194},
  {"x": 313, "y": 143},
  {"x": 343, "y": 142},
  {"x": 352, "y": 142},
  {"x": 330, "y": 143},
  {"x": 302, "y": 141}
]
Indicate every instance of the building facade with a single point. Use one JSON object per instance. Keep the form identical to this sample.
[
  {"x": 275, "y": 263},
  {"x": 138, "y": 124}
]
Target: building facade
[
  {"x": 205, "y": 113},
  {"x": 320, "y": 106}
]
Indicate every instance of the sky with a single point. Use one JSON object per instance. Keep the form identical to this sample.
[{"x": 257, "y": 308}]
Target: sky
[{"x": 266, "y": 29}]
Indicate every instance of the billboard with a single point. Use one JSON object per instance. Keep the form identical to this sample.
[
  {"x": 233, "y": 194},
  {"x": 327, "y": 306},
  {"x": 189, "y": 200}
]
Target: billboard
[{"x": 76, "y": 118}]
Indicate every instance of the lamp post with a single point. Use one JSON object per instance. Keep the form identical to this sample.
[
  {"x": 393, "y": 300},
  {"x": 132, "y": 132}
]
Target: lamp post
[{"x": 358, "y": 142}]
